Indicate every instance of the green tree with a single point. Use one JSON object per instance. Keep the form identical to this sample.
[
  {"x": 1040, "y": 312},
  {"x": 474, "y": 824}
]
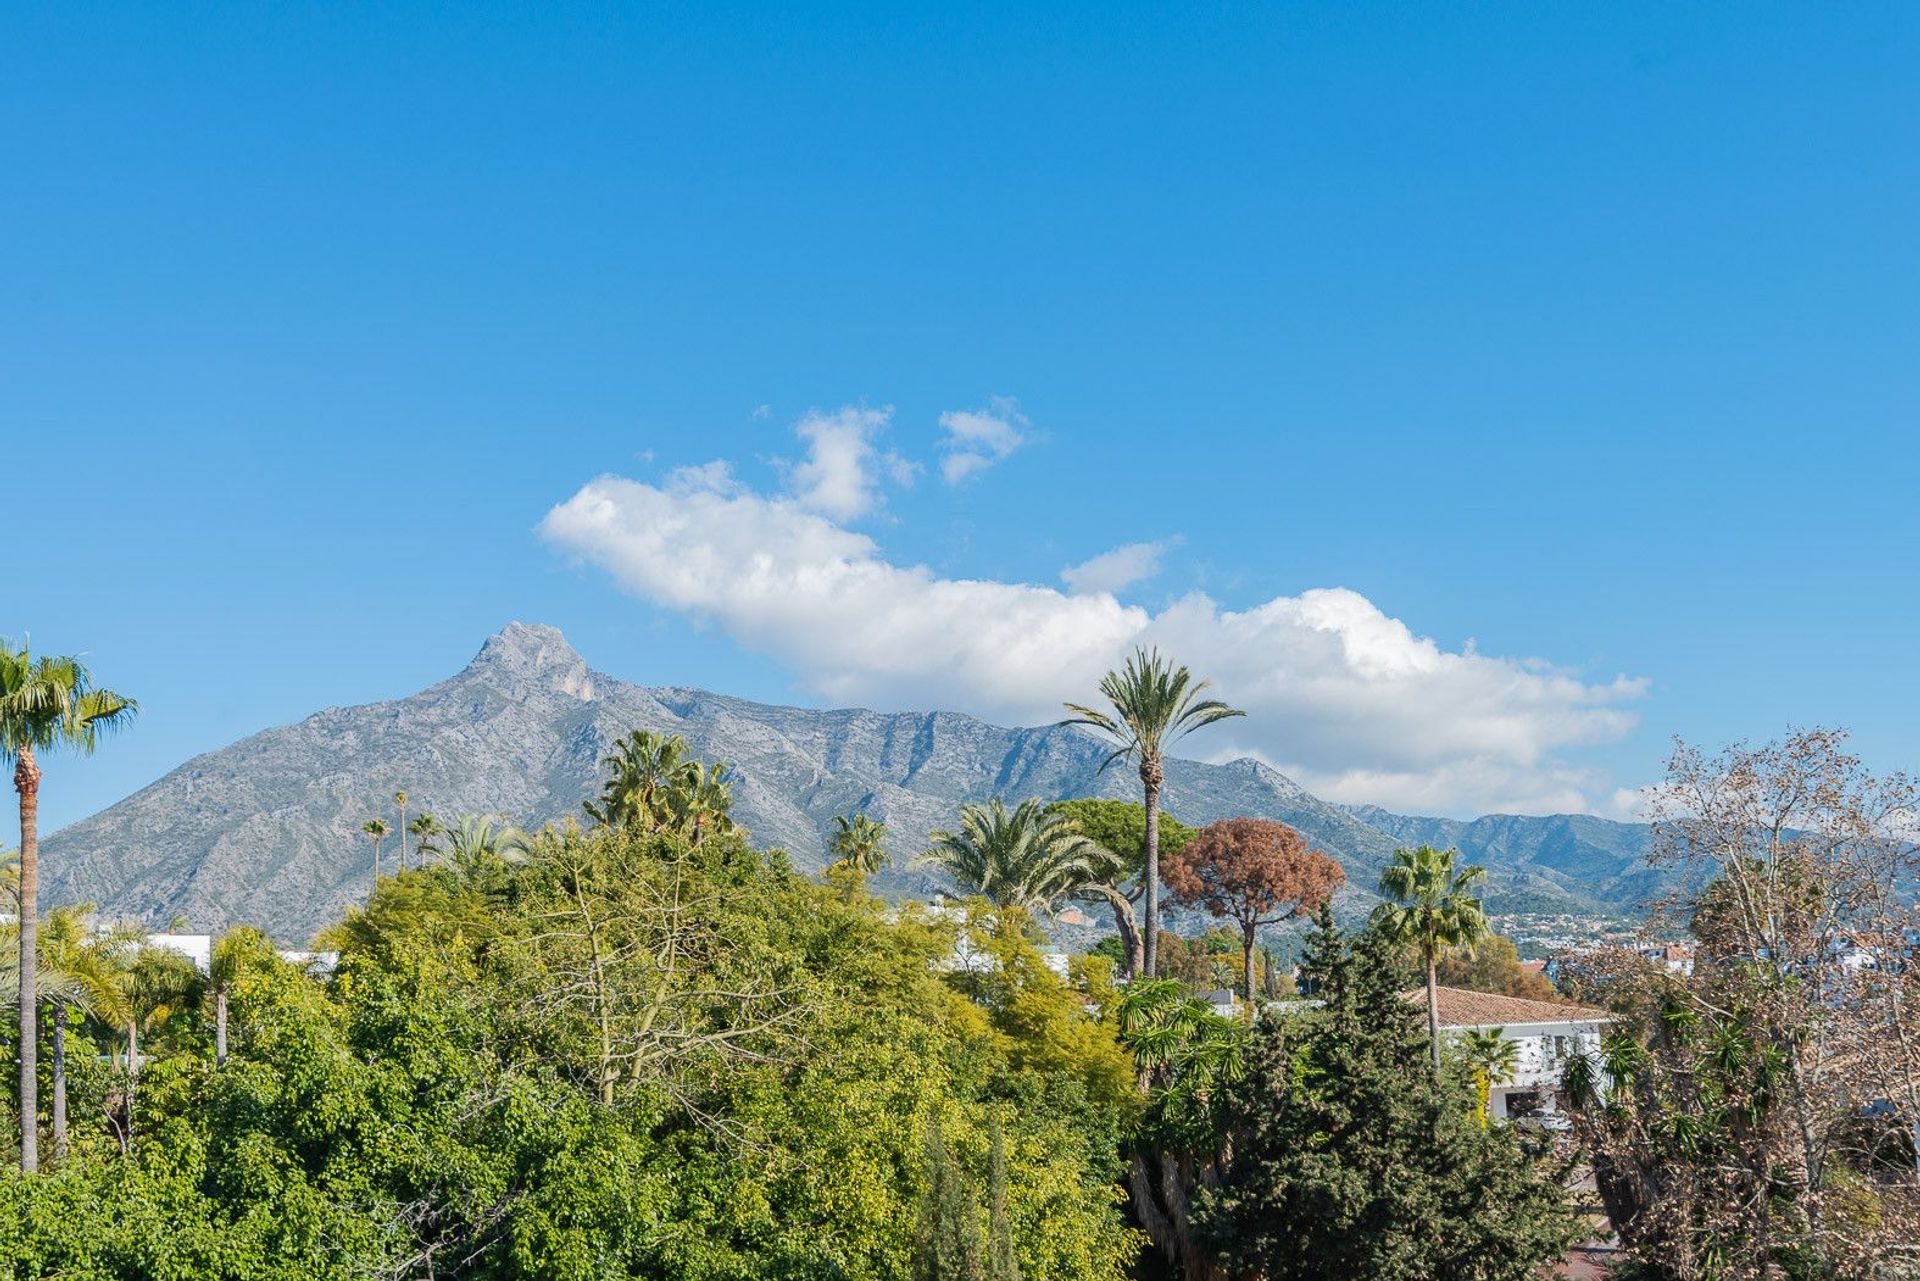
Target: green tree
[
  {"x": 1492, "y": 965},
  {"x": 946, "y": 1243},
  {"x": 1153, "y": 704},
  {"x": 1120, "y": 829},
  {"x": 1491, "y": 1057},
  {"x": 46, "y": 704},
  {"x": 859, "y": 844},
  {"x": 80, "y": 970},
  {"x": 1352, "y": 1163},
  {"x": 1025, "y": 857},
  {"x": 400, "y": 800},
  {"x": 480, "y": 845},
  {"x": 234, "y": 953},
  {"x": 1002, "y": 1264},
  {"x": 701, "y": 802},
  {"x": 643, "y": 772},
  {"x": 1431, "y": 906}
]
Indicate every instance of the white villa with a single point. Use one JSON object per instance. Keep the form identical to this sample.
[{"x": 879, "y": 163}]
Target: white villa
[{"x": 1547, "y": 1033}]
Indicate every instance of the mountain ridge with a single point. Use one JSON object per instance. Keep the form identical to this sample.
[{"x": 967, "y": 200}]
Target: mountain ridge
[{"x": 266, "y": 830}]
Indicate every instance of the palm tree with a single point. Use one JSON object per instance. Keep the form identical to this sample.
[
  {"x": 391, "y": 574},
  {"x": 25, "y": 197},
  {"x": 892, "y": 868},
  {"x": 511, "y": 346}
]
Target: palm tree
[
  {"x": 239, "y": 950},
  {"x": 480, "y": 842},
  {"x": 702, "y": 799},
  {"x": 1154, "y": 704},
  {"x": 1430, "y": 907},
  {"x": 79, "y": 967},
  {"x": 154, "y": 985},
  {"x": 1025, "y": 857},
  {"x": 45, "y": 704},
  {"x": 400, "y": 799},
  {"x": 1490, "y": 1058},
  {"x": 376, "y": 830},
  {"x": 643, "y": 770},
  {"x": 859, "y": 844},
  {"x": 424, "y": 829}
]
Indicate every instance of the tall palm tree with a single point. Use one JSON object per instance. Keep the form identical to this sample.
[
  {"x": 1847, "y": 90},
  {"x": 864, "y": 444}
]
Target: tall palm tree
[
  {"x": 239, "y": 950},
  {"x": 642, "y": 772},
  {"x": 1431, "y": 906},
  {"x": 45, "y": 704},
  {"x": 156, "y": 984},
  {"x": 1154, "y": 703},
  {"x": 400, "y": 799},
  {"x": 859, "y": 844},
  {"x": 376, "y": 830},
  {"x": 1491, "y": 1058},
  {"x": 1025, "y": 857},
  {"x": 425, "y": 828}
]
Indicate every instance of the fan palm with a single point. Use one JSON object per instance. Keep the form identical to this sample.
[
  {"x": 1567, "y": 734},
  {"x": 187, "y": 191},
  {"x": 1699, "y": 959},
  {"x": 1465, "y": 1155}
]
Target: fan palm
[
  {"x": 239, "y": 950},
  {"x": 79, "y": 968},
  {"x": 642, "y": 772},
  {"x": 45, "y": 704},
  {"x": 1431, "y": 906},
  {"x": 425, "y": 828},
  {"x": 1154, "y": 703},
  {"x": 153, "y": 987},
  {"x": 701, "y": 801},
  {"x": 1491, "y": 1058},
  {"x": 400, "y": 799},
  {"x": 376, "y": 830},
  {"x": 859, "y": 844},
  {"x": 1024, "y": 857}
]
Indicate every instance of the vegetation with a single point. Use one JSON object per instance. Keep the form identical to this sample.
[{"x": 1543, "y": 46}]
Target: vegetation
[
  {"x": 1352, "y": 1161},
  {"x": 1253, "y": 872},
  {"x": 1119, "y": 828},
  {"x": 859, "y": 845},
  {"x": 46, "y": 704},
  {"x": 1492, "y": 965},
  {"x": 1151, "y": 704},
  {"x": 1027, "y": 857},
  {"x": 1431, "y": 906}
]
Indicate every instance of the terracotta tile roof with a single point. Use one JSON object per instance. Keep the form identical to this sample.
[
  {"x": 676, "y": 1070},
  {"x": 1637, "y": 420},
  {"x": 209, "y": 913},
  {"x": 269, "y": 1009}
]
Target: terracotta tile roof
[{"x": 1462, "y": 1008}]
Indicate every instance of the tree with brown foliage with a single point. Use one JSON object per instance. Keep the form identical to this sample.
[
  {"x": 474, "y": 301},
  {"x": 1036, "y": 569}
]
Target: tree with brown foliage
[
  {"x": 1492, "y": 965},
  {"x": 1253, "y": 872}
]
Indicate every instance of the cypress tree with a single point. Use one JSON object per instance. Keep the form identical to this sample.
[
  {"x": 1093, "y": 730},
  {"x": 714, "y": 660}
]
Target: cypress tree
[
  {"x": 1350, "y": 1160},
  {"x": 1002, "y": 1265},
  {"x": 946, "y": 1245}
]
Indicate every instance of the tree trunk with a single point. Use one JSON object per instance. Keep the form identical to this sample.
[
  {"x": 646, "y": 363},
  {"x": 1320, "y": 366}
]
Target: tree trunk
[
  {"x": 1151, "y": 776},
  {"x": 1126, "y": 926},
  {"x": 59, "y": 1082},
  {"x": 1433, "y": 1011},
  {"x": 1246, "y": 964},
  {"x": 220, "y": 1026},
  {"x": 26, "y": 781},
  {"x": 133, "y": 1073}
]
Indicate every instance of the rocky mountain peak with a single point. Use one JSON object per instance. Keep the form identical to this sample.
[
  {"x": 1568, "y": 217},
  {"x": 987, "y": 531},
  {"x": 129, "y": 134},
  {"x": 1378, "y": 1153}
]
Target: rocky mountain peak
[{"x": 533, "y": 655}]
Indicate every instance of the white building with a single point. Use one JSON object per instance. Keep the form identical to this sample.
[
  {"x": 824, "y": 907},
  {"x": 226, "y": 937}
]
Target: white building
[{"x": 1547, "y": 1034}]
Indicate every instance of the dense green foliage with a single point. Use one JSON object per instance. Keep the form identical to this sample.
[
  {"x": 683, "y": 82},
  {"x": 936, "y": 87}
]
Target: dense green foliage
[
  {"x": 625, "y": 1055},
  {"x": 1352, "y": 1161}
]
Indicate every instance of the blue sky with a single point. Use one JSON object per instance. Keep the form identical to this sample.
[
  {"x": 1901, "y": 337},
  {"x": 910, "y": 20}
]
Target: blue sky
[{"x": 1583, "y": 335}]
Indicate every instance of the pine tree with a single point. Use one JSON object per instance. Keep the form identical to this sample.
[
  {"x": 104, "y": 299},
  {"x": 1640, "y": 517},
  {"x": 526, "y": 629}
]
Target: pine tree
[
  {"x": 946, "y": 1245},
  {"x": 1351, "y": 1160},
  {"x": 1002, "y": 1264}
]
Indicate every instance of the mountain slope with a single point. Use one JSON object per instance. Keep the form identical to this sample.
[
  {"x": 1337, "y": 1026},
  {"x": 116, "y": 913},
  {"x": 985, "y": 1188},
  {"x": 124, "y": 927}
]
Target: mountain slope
[{"x": 268, "y": 829}]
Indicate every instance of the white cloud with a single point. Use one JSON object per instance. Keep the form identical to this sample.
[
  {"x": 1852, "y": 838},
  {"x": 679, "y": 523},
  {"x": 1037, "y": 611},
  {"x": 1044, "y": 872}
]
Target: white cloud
[
  {"x": 976, "y": 439},
  {"x": 1345, "y": 699},
  {"x": 1114, "y": 570},
  {"x": 841, "y": 474}
]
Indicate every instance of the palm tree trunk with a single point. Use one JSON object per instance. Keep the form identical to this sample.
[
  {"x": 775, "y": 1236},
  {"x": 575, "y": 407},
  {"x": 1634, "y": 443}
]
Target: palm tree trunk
[
  {"x": 220, "y": 1026},
  {"x": 26, "y": 781},
  {"x": 59, "y": 1082},
  {"x": 1151, "y": 776},
  {"x": 1433, "y": 1011},
  {"x": 133, "y": 1072}
]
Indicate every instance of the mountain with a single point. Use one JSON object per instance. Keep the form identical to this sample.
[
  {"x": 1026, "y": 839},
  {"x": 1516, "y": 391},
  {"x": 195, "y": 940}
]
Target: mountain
[
  {"x": 1552, "y": 863},
  {"x": 267, "y": 830}
]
